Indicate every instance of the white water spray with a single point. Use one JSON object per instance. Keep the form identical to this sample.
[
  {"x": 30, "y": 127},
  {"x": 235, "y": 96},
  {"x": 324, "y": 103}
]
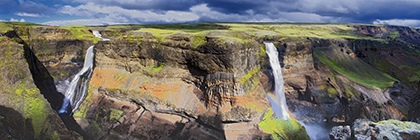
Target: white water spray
[
  {"x": 77, "y": 90},
  {"x": 278, "y": 104}
]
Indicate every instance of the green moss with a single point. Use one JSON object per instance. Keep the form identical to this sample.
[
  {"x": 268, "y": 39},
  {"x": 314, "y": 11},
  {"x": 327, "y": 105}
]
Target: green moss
[
  {"x": 282, "y": 129},
  {"x": 332, "y": 91},
  {"x": 350, "y": 91},
  {"x": 198, "y": 38},
  {"x": 55, "y": 136},
  {"x": 33, "y": 106},
  {"x": 94, "y": 129},
  {"x": 130, "y": 38},
  {"x": 412, "y": 50},
  {"x": 249, "y": 75},
  {"x": 159, "y": 33},
  {"x": 392, "y": 128},
  {"x": 226, "y": 39},
  {"x": 394, "y": 34},
  {"x": 5, "y": 27},
  {"x": 262, "y": 50},
  {"x": 411, "y": 78},
  {"x": 298, "y": 30},
  {"x": 81, "y": 32},
  {"x": 84, "y": 107},
  {"x": 22, "y": 24},
  {"x": 121, "y": 76},
  {"x": 323, "y": 86},
  {"x": 255, "y": 82},
  {"x": 383, "y": 66},
  {"x": 253, "y": 106},
  {"x": 115, "y": 114},
  {"x": 153, "y": 69}
]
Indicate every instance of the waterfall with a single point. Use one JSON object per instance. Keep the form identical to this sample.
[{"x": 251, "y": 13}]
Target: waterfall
[
  {"x": 98, "y": 35},
  {"x": 77, "y": 90},
  {"x": 354, "y": 48},
  {"x": 278, "y": 102}
]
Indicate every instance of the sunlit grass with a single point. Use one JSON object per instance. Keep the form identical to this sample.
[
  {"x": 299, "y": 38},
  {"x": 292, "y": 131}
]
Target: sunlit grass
[
  {"x": 4, "y": 27},
  {"x": 81, "y": 32},
  {"x": 197, "y": 27},
  {"x": 298, "y": 30},
  {"x": 354, "y": 69}
]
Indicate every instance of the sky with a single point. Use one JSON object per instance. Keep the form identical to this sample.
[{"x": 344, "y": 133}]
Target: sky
[{"x": 108, "y": 12}]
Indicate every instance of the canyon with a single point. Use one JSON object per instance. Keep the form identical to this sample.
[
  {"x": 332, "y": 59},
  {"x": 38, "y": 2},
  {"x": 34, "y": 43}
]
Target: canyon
[{"x": 205, "y": 80}]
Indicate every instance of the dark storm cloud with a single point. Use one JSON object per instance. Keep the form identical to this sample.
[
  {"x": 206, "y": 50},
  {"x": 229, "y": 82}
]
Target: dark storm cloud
[
  {"x": 156, "y": 5},
  {"x": 329, "y": 11},
  {"x": 34, "y": 8},
  {"x": 352, "y": 10},
  {"x": 235, "y": 6}
]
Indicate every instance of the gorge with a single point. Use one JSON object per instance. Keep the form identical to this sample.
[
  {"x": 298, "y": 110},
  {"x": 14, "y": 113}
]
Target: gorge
[
  {"x": 77, "y": 89},
  {"x": 208, "y": 80}
]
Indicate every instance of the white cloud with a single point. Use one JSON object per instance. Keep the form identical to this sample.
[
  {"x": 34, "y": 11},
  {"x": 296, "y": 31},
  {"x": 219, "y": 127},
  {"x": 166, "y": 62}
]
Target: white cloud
[
  {"x": 400, "y": 22},
  {"x": 23, "y": 14},
  {"x": 114, "y": 14},
  {"x": 16, "y": 20},
  {"x": 13, "y": 20}
]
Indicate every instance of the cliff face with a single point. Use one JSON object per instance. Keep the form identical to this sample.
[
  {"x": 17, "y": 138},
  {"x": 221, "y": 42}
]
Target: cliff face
[
  {"x": 327, "y": 81},
  {"x": 157, "y": 84},
  {"x": 26, "y": 110},
  {"x": 198, "y": 84}
]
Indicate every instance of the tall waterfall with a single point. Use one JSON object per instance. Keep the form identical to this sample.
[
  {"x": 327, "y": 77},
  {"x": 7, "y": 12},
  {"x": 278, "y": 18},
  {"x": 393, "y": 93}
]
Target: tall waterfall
[
  {"x": 278, "y": 103},
  {"x": 77, "y": 91}
]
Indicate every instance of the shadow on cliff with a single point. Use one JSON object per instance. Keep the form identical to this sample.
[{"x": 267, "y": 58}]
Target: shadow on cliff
[
  {"x": 45, "y": 83},
  {"x": 14, "y": 126}
]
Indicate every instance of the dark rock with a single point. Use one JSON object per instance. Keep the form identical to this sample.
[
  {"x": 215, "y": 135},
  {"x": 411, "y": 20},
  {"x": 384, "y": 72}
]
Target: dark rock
[
  {"x": 340, "y": 133},
  {"x": 387, "y": 129}
]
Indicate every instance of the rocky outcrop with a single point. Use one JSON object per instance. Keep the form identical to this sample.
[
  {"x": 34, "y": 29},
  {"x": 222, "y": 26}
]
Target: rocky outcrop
[
  {"x": 389, "y": 129},
  {"x": 340, "y": 133}
]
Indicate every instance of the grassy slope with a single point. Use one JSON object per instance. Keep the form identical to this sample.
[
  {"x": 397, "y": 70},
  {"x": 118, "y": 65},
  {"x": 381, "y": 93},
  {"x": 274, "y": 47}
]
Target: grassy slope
[
  {"x": 297, "y": 30},
  {"x": 283, "y": 129},
  {"x": 81, "y": 32},
  {"x": 353, "y": 68}
]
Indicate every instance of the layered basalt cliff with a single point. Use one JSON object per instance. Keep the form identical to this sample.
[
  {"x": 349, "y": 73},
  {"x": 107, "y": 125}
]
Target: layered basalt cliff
[
  {"x": 212, "y": 84},
  {"x": 199, "y": 84}
]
